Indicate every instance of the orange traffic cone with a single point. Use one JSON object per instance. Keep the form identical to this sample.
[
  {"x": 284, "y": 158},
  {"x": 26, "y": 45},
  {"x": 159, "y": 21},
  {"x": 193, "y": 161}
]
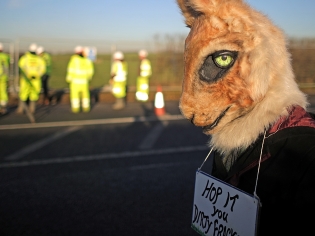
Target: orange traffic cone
[{"x": 159, "y": 102}]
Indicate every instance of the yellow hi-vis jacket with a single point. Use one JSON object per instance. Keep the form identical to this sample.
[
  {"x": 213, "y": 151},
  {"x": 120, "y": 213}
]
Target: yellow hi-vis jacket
[
  {"x": 142, "y": 93},
  {"x": 4, "y": 74},
  {"x": 4, "y": 66},
  {"x": 80, "y": 70},
  {"x": 145, "y": 68},
  {"x": 46, "y": 56},
  {"x": 32, "y": 66},
  {"x": 119, "y": 70}
]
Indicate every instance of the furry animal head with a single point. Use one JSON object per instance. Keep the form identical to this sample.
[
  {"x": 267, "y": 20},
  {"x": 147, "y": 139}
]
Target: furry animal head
[{"x": 238, "y": 77}]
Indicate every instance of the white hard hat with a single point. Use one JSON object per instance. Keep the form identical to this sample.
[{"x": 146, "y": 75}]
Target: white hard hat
[
  {"x": 78, "y": 49},
  {"x": 118, "y": 55},
  {"x": 143, "y": 53},
  {"x": 1, "y": 46},
  {"x": 33, "y": 47},
  {"x": 39, "y": 50}
]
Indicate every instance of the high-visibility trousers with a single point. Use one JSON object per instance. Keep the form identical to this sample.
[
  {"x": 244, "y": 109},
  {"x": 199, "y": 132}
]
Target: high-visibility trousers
[
  {"x": 142, "y": 93},
  {"x": 79, "y": 96},
  {"x": 30, "y": 89},
  {"x": 3, "y": 90},
  {"x": 119, "y": 89}
]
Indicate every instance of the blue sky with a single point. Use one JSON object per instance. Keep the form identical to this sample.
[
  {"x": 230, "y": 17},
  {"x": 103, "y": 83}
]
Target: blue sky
[{"x": 129, "y": 20}]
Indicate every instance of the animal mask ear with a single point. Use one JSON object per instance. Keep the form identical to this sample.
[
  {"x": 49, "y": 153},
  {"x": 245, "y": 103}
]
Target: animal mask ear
[{"x": 189, "y": 11}]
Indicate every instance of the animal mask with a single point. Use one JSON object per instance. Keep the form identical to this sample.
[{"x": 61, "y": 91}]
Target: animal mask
[{"x": 238, "y": 78}]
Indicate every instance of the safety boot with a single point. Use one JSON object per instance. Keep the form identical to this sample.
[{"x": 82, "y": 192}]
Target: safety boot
[
  {"x": 120, "y": 104},
  {"x": 3, "y": 110},
  {"x": 75, "y": 110},
  {"x": 86, "y": 109}
]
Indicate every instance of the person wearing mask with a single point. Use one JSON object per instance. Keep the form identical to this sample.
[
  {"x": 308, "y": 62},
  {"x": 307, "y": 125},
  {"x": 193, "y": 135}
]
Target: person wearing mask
[
  {"x": 32, "y": 68},
  {"x": 118, "y": 81},
  {"x": 47, "y": 57},
  {"x": 4, "y": 74},
  {"x": 80, "y": 71},
  {"x": 142, "y": 93}
]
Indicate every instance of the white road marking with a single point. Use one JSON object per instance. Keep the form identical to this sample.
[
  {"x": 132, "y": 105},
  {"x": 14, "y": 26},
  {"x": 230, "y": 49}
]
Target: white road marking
[
  {"x": 104, "y": 156},
  {"x": 31, "y": 148},
  {"x": 91, "y": 122},
  {"x": 154, "y": 166},
  {"x": 152, "y": 136}
]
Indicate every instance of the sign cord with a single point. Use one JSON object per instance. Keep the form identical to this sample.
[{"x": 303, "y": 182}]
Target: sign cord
[
  {"x": 262, "y": 145},
  {"x": 205, "y": 159}
]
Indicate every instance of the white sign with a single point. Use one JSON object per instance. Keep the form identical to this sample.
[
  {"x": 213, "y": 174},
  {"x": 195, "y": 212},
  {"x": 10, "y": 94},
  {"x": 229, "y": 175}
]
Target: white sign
[
  {"x": 91, "y": 53},
  {"x": 221, "y": 209}
]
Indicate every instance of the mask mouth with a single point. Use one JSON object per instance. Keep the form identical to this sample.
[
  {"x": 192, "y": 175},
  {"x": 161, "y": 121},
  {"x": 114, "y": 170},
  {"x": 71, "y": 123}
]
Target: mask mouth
[{"x": 216, "y": 122}]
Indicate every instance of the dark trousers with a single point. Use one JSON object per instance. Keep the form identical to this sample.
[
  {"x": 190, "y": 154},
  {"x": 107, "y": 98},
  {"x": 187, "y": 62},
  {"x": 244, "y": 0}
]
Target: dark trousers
[{"x": 45, "y": 85}]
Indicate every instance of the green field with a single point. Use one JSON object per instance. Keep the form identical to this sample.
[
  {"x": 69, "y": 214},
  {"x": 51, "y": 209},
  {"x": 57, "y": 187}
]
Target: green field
[{"x": 167, "y": 68}]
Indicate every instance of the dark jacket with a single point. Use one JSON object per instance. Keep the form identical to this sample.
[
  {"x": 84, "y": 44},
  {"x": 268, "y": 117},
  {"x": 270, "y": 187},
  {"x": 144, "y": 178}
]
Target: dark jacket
[{"x": 286, "y": 181}]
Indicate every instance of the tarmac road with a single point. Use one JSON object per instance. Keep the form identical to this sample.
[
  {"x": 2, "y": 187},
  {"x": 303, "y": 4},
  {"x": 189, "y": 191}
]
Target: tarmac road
[
  {"x": 104, "y": 173},
  {"x": 107, "y": 172}
]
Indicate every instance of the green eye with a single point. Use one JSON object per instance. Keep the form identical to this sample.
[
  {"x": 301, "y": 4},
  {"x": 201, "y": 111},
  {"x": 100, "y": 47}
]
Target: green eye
[{"x": 223, "y": 60}]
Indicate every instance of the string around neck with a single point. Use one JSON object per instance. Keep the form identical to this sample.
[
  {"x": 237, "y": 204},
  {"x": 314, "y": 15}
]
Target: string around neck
[
  {"x": 260, "y": 156},
  {"x": 205, "y": 159},
  {"x": 262, "y": 146}
]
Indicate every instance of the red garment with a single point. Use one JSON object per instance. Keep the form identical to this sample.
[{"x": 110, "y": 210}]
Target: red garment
[{"x": 297, "y": 117}]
